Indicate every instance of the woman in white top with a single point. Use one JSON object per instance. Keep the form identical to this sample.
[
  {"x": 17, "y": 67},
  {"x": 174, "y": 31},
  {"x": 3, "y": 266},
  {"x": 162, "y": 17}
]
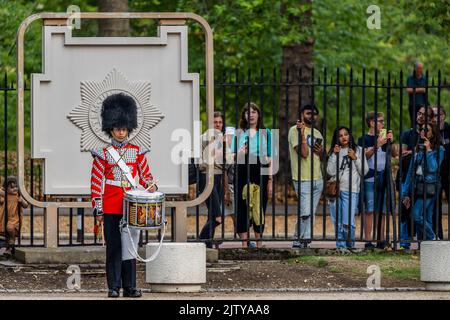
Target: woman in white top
[{"x": 345, "y": 165}]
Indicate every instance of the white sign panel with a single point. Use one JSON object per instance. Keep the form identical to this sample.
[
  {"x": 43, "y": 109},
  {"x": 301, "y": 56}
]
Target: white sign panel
[{"x": 79, "y": 73}]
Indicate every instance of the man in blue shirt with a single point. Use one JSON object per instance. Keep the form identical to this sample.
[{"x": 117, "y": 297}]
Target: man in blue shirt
[{"x": 416, "y": 88}]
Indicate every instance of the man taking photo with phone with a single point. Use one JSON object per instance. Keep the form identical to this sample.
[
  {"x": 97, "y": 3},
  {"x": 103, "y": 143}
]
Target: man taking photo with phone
[
  {"x": 375, "y": 181},
  {"x": 306, "y": 153}
]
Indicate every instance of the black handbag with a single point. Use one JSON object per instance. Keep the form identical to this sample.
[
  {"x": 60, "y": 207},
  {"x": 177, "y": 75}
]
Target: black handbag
[
  {"x": 429, "y": 189},
  {"x": 422, "y": 188}
]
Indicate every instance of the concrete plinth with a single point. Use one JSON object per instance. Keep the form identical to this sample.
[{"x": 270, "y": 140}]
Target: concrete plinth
[
  {"x": 179, "y": 267},
  {"x": 435, "y": 265},
  {"x": 64, "y": 255}
]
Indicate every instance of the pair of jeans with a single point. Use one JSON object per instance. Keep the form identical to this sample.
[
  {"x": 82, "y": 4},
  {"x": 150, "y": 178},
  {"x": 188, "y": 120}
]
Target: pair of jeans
[
  {"x": 405, "y": 227},
  {"x": 420, "y": 222},
  {"x": 307, "y": 209},
  {"x": 417, "y": 212},
  {"x": 373, "y": 205},
  {"x": 340, "y": 208}
]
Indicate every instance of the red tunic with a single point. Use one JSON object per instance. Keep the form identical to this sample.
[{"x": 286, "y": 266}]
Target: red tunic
[{"x": 109, "y": 198}]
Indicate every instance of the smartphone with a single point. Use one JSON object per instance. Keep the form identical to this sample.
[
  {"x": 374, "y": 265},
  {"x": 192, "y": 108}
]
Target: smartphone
[
  {"x": 421, "y": 144},
  {"x": 383, "y": 133},
  {"x": 230, "y": 131},
  {"x": 319, "y": 141}
]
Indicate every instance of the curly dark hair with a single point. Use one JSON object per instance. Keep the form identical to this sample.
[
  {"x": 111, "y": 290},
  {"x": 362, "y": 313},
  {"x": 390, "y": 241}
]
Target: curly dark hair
[{"x": 119, "y": 111}]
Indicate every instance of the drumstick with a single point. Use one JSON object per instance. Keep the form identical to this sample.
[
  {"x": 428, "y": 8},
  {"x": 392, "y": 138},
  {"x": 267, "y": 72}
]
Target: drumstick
[{"x": 152, "y": 184}]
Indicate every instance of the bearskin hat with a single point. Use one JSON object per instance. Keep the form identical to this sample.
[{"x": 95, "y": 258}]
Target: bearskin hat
[{"x": 119, "y": 111}]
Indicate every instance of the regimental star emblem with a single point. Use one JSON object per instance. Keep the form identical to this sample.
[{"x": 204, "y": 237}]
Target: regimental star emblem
[{"x": 87, "y": 116}]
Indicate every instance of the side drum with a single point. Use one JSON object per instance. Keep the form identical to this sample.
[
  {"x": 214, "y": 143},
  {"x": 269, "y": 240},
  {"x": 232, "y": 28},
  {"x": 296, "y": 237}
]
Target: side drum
[{"x": 144, "y": 210}]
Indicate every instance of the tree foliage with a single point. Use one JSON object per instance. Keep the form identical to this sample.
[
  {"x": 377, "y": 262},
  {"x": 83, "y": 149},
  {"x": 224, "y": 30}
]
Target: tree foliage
[
  {"x": 247, "y": 33},
  {"x": 250, "y": 35},
  {"x": 409, "y": 31}
]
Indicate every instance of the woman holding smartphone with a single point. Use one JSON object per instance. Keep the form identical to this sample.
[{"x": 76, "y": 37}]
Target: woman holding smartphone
[
  {"x": 423, "y": 182},
  {"x": 345, "y": 164},
  {"x": 253, "y": 152}
]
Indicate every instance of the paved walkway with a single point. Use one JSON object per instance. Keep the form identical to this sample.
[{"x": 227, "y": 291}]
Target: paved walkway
[{"x": 346, "y": 294}]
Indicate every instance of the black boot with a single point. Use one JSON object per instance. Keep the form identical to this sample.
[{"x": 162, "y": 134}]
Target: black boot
[
  {"x": 132, "y": 293},
  {"x": 113, "y": 293}
]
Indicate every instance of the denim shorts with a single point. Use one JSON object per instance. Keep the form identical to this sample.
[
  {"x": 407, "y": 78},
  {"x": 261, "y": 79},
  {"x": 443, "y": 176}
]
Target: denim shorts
[{"x": 369, "y": 198}]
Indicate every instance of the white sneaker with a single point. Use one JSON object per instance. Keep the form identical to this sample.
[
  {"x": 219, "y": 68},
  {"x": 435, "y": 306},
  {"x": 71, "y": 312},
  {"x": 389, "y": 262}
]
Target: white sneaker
[
  {"x": 297, "y": 244},
  {"x": 251, "y": 244}
]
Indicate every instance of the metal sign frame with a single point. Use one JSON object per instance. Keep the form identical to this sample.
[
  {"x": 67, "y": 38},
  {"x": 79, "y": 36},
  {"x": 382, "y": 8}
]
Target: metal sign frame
[{"x": 165, "y": 18}]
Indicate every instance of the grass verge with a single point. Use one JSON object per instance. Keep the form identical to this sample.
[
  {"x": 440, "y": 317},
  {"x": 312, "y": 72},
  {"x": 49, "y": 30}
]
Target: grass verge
[{"x": 399, "y": 266}]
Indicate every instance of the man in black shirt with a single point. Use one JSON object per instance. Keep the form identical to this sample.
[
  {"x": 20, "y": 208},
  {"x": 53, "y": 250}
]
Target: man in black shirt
[{"x": 416, "y": 88}]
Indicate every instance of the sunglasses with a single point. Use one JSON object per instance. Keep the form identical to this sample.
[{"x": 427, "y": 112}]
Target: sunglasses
[
  {"x": 424, "y": 130},
  {"x": 422, "y": 114}
]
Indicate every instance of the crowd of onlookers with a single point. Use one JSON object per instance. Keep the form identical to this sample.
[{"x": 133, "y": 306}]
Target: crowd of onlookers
[
  {"x": 354, "y": 174},
  {"x": 359, "y": 177}
]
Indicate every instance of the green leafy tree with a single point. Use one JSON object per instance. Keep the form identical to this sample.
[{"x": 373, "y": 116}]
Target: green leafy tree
[{"x": 255, "y": 34}]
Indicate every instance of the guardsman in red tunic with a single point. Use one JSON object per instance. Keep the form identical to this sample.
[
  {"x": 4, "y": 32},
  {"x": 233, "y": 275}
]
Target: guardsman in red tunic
[{"x": 113, "y": 171}]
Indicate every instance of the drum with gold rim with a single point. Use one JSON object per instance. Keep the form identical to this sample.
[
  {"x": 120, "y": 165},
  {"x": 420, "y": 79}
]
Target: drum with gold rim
[{"x": 144, "y": 210}]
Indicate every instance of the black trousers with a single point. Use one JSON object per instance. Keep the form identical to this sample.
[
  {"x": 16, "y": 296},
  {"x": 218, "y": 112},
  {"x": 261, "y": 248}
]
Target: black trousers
[
  {"x": 119, "y": 274},
  {"x": 405, "y": 213},
  {"x": 214, "y": 205},
  {"x": 243, "y": 221},
  {"x": 437, "y": 213}
]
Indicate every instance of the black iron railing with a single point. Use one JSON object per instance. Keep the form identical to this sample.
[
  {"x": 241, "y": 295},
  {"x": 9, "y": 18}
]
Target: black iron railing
[{"x": 342, "y": 99}]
